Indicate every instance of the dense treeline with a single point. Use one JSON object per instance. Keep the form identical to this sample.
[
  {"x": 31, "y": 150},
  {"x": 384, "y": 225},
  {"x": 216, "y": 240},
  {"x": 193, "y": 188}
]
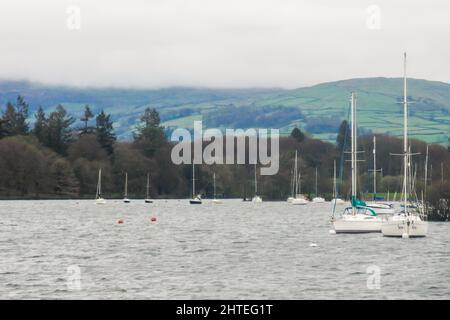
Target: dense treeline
[{"x": 57, "y": 156}]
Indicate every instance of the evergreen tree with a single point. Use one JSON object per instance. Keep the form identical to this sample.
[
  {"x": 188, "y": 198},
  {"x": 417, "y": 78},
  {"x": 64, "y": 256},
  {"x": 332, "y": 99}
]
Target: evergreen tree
[
  {"x": 40, "y": 129},
  {"x": 343, "y": 137},
  {"x": 85, "y": 118},
  {"x": 150, "y": 118},
  {"x": 59, "y": 131},
  {"x": 22, "y": 115},
  {"x": 297, "y": 134},
  {"x": 9, "y": 119},
  {"x": 65, "y": 179},
  {"x": 150, "y": 135},
  {"x": 3, "y": 132},
  {"x": 105, "y": 132},
  {"x": 15, "y": 118}
]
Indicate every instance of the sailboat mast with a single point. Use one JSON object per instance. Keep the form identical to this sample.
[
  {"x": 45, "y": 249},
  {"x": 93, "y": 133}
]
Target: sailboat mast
[
  {"x": 353, "y": 137},
  {"x": 256, "y": 182},
  {"x": 334, "y": 180},
  {"x": 214, "y": 179},
  {"x": 126, "y": 184},
  {"x": 299, "y": 180},
  {"x": 193, "y": 180},
  {"x": 316, "y": 181},
  {"x": 426, "y": 173},
  {"x": 405, "y": 137},
  {"x": 148, "y": 186},
  {"x": 374, "y": 166},
  {"x": 99, "y": 185},
  {"x": 295, "y": 176},
  {"x": 292, "y": 183}
]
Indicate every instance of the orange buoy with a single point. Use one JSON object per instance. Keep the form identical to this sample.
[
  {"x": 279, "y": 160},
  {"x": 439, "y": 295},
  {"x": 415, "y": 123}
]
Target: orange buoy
[
  {"x": 153, "y": 219},
  {"x": 120, "y": 221}
]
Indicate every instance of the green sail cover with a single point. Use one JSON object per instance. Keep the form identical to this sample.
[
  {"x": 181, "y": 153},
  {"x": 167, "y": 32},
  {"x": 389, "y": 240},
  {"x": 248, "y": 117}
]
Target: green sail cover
[
  {"x": 357, "y": 203},
  {"x": 361, "y": 204}
]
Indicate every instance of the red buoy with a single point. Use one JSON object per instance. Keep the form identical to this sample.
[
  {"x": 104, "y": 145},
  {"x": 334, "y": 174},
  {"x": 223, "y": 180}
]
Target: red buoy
[
  {"x": 120, "y": 221},
  {"x": 153, "y": 219}
]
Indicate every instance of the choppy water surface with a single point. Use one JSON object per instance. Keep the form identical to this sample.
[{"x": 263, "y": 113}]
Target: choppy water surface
[{"x": 235, "y": 250}]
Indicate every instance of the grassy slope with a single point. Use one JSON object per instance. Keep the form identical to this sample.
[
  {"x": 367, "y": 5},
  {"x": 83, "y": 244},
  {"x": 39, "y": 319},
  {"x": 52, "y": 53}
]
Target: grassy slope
[{"x": 378, "y": 107}]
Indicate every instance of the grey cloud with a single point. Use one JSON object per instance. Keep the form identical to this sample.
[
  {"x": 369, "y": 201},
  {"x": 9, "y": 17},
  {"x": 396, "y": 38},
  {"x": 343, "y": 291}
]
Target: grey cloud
[{"x": 221, "y": 43}]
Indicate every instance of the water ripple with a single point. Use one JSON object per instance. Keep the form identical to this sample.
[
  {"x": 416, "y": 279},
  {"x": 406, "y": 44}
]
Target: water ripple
[{"x": 75, "y": 249}]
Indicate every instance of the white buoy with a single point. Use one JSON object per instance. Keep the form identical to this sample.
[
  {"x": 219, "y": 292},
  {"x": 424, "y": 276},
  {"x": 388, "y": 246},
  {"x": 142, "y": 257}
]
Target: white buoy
[
  {"x": 405, "y": 235},
  {"x": 312, "y": 244},
  {"x": 332, "y": 231}
]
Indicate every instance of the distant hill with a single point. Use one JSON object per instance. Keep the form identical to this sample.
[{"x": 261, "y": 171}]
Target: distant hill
[{"x": 317, "y": 109}]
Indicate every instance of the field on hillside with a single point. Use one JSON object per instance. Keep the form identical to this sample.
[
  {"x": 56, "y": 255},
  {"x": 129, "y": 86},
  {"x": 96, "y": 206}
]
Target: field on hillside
[{"x": 318, "y": 110}]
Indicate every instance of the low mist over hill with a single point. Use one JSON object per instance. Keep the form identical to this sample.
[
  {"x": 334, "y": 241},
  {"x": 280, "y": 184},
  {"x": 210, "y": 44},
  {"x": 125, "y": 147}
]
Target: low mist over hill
[{"x": 317, "y": 110}]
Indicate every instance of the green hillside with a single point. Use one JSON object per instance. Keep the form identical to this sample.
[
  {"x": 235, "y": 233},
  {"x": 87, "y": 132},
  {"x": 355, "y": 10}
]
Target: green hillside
[
  {"x": 379, "y": 107},
  {"x": 317, "y": 109}
]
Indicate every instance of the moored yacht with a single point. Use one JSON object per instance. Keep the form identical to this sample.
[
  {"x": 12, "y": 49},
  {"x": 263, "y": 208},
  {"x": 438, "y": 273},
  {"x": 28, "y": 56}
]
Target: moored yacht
[
  {"x": 380, "y": 208},
  {"x": 147, "y": 190},
  {"x": 410, "y": 221},
  {"x": 358, "y": 218},
  {"x": 125, "y": 197},
  {"x": 98, "y": 196},
  {"x": 196, "y": 199},
  {"x": 215, "y": 200},
  {"x": 317, "y": 199},
  {"x": 336, "y": 200},
  {"x": 256, "y": 198},
  {"x": 298, "y": 198}
]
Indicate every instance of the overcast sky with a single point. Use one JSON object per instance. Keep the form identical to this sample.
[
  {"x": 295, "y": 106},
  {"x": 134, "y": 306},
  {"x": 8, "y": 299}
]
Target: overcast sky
[{"x": 221, "y": 43}]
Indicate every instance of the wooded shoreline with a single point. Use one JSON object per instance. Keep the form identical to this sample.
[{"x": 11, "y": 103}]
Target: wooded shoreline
[{"x": 55, "y": 159}]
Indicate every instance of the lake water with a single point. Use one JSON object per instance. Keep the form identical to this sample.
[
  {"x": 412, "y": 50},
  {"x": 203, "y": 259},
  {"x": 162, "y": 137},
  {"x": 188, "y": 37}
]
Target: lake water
[{"x": 71, "y": 249}]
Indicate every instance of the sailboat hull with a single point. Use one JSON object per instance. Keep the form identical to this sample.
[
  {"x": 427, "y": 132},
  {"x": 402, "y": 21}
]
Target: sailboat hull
[
  {"x": 148, "y": 201},
  {"x": 337, "y": 201},
  {"x": 381, "y": 208},
  {"x": 196, "y": 200},
  {"x": 299, "y": 201},
  {"x": 100, "y": 201},
  {"x": 358, "y": 223},
  {"x": 398, "y": 226},
  {"x": 256, "y": 199}
]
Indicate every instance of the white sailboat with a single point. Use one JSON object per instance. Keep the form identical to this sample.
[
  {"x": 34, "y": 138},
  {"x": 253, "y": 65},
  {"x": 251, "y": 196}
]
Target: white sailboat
[
  {"x": 98, "y": 196},
  {"x": 125, "y": 196},
  {"x": 298, "y": 198},
  {"x": 317, "y": 199},
  {"x": 357, "y": 218},
  {"x": 336, "y": 199},
  {"x": 196, "y": 199},
  {"x": 215, "y": 200},
  {"x": 378, "y": 207},
  {"x": 256, "y": 198},
  {"x": 409, "y": 222},
  {"x": 291, "y": 197},
  {"x": 147, "y": 190}
]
